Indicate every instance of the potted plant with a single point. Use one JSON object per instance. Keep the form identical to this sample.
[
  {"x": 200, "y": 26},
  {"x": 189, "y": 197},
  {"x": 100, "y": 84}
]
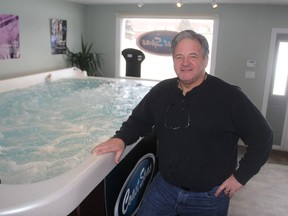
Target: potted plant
[{"x": 85, "y": 60}]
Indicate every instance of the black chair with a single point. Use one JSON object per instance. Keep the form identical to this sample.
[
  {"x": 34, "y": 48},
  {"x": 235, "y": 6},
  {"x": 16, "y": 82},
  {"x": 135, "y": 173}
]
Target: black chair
[{"x": 133, "y": 58}]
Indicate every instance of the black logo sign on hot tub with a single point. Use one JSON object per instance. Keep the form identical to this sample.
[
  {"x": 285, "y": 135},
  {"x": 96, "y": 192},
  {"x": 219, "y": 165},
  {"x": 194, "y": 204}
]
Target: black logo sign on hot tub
[{"x": 135, "y": 186}]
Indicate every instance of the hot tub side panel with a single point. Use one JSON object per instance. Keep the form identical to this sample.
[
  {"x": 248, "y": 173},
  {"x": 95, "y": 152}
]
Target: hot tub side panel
[{"x": 130, "y": 178}]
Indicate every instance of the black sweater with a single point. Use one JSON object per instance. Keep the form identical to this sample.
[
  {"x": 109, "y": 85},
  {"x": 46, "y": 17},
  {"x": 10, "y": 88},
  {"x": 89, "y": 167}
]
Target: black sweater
[{"x": 198, "y": 133}]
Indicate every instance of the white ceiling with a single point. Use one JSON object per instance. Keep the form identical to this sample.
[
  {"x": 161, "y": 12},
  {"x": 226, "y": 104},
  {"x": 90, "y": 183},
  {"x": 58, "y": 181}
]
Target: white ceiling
[{"x": 281, "y": 2}]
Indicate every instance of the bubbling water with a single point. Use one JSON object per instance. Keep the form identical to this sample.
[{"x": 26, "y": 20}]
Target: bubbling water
[{"x": 48, "y": 129}]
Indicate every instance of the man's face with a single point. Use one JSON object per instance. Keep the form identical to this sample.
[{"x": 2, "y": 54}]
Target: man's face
[{"x": 189, "y": 62}]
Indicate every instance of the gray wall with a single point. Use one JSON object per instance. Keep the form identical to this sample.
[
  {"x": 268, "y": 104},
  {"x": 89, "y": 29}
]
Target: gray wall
[
  {"x": 34, "y": 18},
  {"x": 244, "y": 33}
]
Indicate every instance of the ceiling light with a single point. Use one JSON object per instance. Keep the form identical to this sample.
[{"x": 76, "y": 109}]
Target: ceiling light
[
  {"x": 179, "y": 3},
  {"x": 214, "y": 4},
  {"x": 140, "y": 4}
]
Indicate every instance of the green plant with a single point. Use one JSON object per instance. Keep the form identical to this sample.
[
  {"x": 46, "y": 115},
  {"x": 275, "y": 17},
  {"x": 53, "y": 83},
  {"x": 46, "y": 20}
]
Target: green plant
[{"x": 88, "y": 61}]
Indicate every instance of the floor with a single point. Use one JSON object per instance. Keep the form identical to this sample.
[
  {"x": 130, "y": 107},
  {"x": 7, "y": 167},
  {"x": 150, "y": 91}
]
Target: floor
[{"x": 266, "y": 194}]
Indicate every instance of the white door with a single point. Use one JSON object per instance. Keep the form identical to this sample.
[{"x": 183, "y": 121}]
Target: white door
[{"x": 277, "y": 96}]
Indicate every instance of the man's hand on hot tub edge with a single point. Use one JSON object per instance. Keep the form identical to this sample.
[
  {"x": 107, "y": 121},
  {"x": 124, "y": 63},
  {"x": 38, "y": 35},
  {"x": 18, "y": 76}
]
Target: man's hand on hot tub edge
[{"x": 114, "y": 145}]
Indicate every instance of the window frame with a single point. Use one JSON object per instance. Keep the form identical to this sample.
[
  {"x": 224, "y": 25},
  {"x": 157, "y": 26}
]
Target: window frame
[{"x": 120, "y": 34}]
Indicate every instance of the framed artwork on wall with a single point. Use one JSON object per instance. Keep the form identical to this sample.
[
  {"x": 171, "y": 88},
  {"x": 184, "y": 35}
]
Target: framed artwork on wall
[
  {"x": 9, "y": 36},
  {"x": 58, "y": 36}
]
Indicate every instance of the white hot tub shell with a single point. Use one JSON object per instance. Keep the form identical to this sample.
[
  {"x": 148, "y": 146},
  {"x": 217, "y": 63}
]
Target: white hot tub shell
[{"x": 62, "y": 194}]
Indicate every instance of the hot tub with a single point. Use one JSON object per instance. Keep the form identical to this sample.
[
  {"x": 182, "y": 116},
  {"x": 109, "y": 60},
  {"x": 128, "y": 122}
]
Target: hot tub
[{"x": 60, "y": 194}]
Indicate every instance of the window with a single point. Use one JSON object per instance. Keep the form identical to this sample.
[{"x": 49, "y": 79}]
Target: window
[
  {"x": 158, "y": 66},
  {"x": 281, "y": 71}
]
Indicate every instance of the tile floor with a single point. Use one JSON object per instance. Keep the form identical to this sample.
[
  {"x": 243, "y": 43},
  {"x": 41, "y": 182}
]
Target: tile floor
[{"x": 266, "y": 194}]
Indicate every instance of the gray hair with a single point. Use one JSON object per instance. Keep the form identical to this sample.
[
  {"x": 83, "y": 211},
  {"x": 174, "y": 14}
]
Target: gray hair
[{"x": 194, "y": 36}]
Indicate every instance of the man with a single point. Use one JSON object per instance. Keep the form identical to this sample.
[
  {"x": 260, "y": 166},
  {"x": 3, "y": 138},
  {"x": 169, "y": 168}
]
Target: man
[{"x": 198, "y": 119}]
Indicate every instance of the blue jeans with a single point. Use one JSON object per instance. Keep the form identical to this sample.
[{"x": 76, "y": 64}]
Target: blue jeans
[{"x": 162, "y": 198}]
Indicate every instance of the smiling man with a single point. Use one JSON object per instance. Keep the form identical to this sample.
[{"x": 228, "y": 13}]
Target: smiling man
[{"x": 199, "y": 120}]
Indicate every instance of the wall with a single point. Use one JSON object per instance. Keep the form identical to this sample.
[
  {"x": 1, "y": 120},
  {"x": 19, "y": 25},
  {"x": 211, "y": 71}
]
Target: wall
[
  {"x": 244, "y": 33},
  {"x": 34, "y": 18}
]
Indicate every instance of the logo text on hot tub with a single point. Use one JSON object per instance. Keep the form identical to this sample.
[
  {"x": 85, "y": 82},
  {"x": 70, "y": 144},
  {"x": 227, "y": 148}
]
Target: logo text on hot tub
[
  {"x": 134, "y": 187},
  {"x": 156, "y": 42},
  {"x": 132, "y": 193}
]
